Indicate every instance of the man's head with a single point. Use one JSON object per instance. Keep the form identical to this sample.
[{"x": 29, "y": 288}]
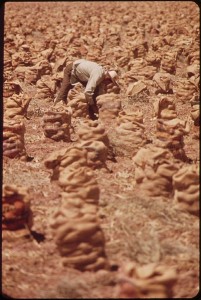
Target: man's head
[{"x": 111, "y": 74}]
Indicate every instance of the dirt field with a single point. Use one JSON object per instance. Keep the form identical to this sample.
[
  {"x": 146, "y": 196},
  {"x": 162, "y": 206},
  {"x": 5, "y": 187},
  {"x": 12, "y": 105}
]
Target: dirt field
[{"x": 137, "y": 228}]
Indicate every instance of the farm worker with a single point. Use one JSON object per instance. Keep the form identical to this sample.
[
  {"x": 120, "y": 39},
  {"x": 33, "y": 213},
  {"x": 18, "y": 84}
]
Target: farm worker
[{"x": 91, "y": 75}]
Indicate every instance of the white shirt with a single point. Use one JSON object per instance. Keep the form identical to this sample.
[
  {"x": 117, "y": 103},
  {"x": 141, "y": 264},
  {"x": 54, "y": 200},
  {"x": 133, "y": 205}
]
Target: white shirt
[{"x": 90, "y": 72}]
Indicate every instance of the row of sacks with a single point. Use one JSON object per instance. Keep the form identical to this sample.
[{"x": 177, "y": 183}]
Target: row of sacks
[
  {"x": 91, "y": 134},
  {"x": 96, "y": 24},
  {"x": 160, "y": 60},
  {"x": 163, "y": 82},
  {"x": 38, "y": 74},
  {"x": 185, "y": 90},
  {"x": 15, "y": 109},
  {"x": 127, "y": 135},
  {"x": 56, "y": 125},
  {"x": 148, "y": 64},
  {"x": 158, "y": 173},
  {"x": 78, "y": 104},
  {"x": 163, "y": 55},
  {"x": 161, "y": 168},
  {"x": 75, "y": 224},
  {"x": 90, "y": 150},
  {"x": 56, "y": 121},
  {"x": 109, "y": 105},
  {"x": 165, "y": 47},
  {"x": 33, "y": 66}
]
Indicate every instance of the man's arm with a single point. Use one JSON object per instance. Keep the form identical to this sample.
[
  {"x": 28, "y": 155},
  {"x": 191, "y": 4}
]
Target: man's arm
[
  {"x": 95, "y": 78},
  {"x": 65, "y": 86}
]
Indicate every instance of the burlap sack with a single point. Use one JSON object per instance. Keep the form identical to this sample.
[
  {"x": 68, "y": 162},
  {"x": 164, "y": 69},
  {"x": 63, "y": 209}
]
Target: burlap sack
[
  {"x": 186, "y": 188},
  {"x": 154, "y": 168},
  {"x": 13, "y": 139},
  {"x": 57, "y": 123},
  {"x": 16, "y": 210},
  {"x": 147, "y": 281}
]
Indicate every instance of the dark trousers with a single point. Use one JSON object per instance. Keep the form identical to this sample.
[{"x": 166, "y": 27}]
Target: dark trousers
[{"x": 66, "y": 85}]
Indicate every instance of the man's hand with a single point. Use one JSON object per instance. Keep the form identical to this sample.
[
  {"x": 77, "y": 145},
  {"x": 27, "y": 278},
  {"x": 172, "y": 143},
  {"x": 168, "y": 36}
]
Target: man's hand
[
  {"x": 94, "y": 108},
  {"x": 89, "y": 97}
]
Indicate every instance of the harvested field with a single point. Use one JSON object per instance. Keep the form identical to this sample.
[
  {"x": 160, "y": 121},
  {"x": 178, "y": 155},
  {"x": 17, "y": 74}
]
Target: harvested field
[{"x": 106, "y": 208}]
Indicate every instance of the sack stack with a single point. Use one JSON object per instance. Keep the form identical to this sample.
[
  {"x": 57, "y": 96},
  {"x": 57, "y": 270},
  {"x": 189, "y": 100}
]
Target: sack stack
[
  {"x": 163, "y": 83},
  {"x": 184, "y": 89},
  {"x": 75, "y": 225},
  {"x": 13, "y": 139},
  {"x": 46, "y": 87},
  {"x": 129, "y": 135},
  {"x": 109, "y": 105},
  {"x": 169, "y": 62},
  {"x": 16, "y": 210},
  {"x": 77, "y": 102},
  {"x": 73, "y": 181},
  {"x": 140, "y": 48},
  {"x": 186, "y": 188},
  {"x": 147, "y": 281},
  {"x": 170, "y": 130},
  {"x": 16, "y": 106},
  {"x": 57, "y": 123},
  {"x": 11, "y": 88},
  {"x": 154, "y": 168},
  {"x": 93, "y": 138},
  {"x": 78, "y": 234},
  {"x": 59, "y": 160}
]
